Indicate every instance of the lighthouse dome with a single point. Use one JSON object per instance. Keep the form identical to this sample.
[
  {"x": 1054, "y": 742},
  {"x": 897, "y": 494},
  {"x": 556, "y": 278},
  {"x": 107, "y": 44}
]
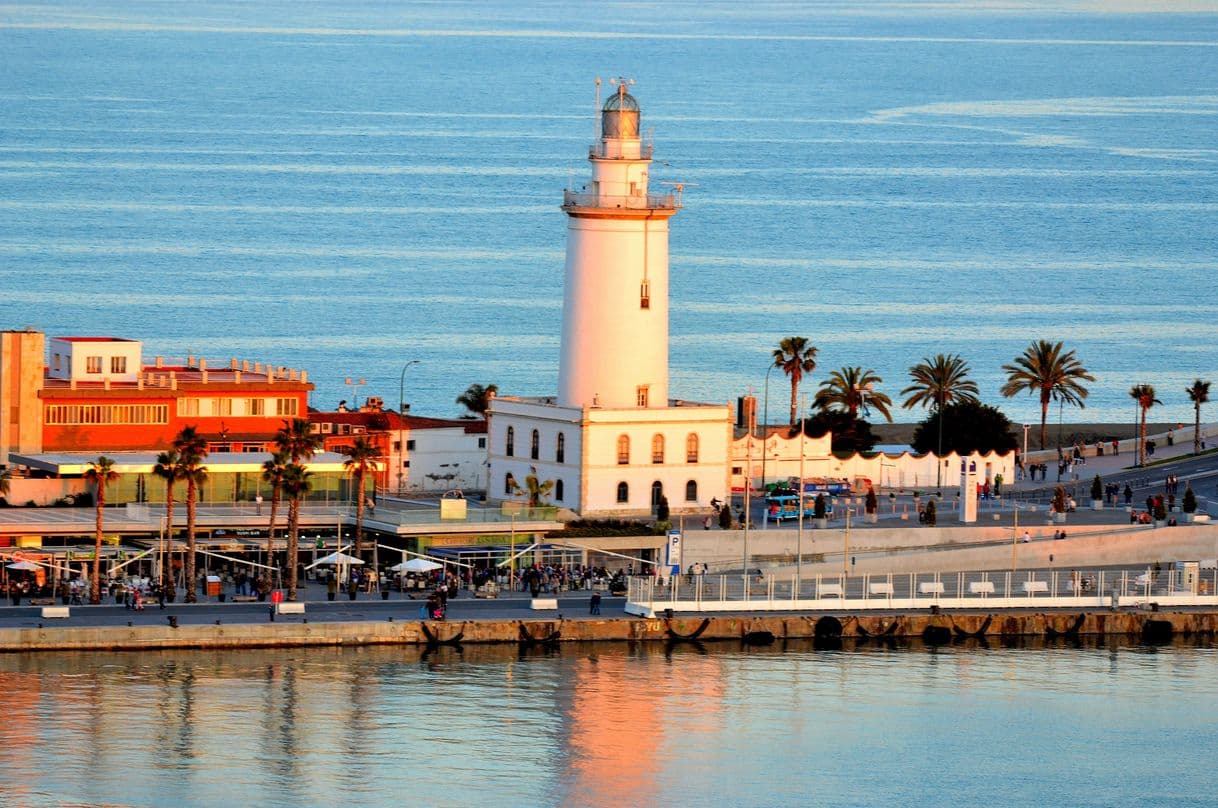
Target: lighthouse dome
[{"x": 620, "y": 116}]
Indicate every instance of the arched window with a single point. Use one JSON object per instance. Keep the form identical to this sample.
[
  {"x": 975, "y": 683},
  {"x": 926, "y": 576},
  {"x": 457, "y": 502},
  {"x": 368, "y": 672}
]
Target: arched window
[
  {"x": 509, "y": 484},
  {"x": 657, "y": 494},
  {"x": 623, "y": 450},
  {"x": 558, "y": 490},
  {"x": 657, "y": 448},
  {"x": 560, "y": 450},
  {"x": 510, "y": 450},
  {"x": 691, "y": 491},
  {"x": 535, "y": 445},
  {"x": 691, "y": 447},
  {"x": 623, "y": 492}
]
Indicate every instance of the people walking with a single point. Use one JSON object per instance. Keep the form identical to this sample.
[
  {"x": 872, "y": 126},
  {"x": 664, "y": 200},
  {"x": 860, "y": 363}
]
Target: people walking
[{"x": 594, "y": 604}]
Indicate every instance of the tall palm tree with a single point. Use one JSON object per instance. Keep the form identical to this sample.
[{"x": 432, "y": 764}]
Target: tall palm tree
[
  {"x": 297, "y": 440},
  {"x": 100, "y": 473},
  {"x": 1045, "y": 369},
  {"x": 296, "y": 483},
  {"x": 851, "y": 389},
  {"x": 272, "y": 472},
  {"x": 1199, "y": 394},
  {"x": 936, "y": 383},
  {"x": 1144, "y": 394},
  {"x": 796, "y": 357},
  {"x": 477, "y": 398},
  {"x": 192, "y": 449},
  {"x": 361, "y": 459},
  {"x": 169, "y": 468}
]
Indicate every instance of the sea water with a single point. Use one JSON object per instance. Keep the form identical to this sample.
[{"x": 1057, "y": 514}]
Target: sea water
[
  {"x": 345, "y": 187},
  {"x": 597, "y": 725}
]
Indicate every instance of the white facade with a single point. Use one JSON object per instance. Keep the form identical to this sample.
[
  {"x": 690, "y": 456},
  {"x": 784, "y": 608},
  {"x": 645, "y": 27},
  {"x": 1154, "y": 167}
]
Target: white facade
[
  {"x": 679, "y": 452},
  {"x": 94, "y": 359},
  {"x": 892, "y": 472},
  {"x": 442, "y": 459}
]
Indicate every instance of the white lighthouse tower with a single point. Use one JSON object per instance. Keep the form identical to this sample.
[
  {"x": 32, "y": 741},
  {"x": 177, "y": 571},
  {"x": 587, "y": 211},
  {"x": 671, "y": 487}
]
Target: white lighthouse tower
[
  {"x": 615, "y": 302},
  {"x": 612, "y": 442}
]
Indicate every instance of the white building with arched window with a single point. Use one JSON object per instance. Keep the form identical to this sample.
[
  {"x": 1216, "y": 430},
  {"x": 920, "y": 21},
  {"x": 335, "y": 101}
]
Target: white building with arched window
[{"x": 612, "y": 440}]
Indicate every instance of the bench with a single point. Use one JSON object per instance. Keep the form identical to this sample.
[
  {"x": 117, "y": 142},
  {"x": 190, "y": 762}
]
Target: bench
[
  {"x": 1032, "y": 587},
  {"x": 880, "y": 589},
  {"x": 289, "y": 608},
  {"x": 543, "y": 603},
  {"x": 981, "y": 587},
  {"x": 55, "y": 611},
  {"x": 931, "y": 587},
  {"x": 830, "y": 591},
  {"x": 244, "y": 599},
  {"x": 42, "y": 601},
  {"x": 486, "y": 594}
]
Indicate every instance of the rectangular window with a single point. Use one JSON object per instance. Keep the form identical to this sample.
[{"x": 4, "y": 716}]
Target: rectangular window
[
  {"x": 641, "y": 393},
  {"x": 118, "y": 364},
  {"x": 106, "y": 414},
  {"x": 223, "y": 406},
  {"x": 285, "y": 406},
  {"x": 481, "y": 443},
  {"x": 255, "y": 406},
  {"x": 93, "y": 364},
  {"x": 410, "y": 446},
  {"x": 188, "y": 407},
  {"x": 55, "y": 363}
]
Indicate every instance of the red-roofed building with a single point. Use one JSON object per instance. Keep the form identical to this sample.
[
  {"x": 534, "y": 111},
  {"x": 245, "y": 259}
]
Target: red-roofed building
[
  {"x": 95, "y": 394},
  {"x": 420, "y": 454}
]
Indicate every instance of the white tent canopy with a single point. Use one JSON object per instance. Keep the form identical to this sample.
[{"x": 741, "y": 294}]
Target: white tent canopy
[
  {"x": 416, "y": 565},
  {"x": 337, "y": 558},
  {"x": 24, "y": 565}
]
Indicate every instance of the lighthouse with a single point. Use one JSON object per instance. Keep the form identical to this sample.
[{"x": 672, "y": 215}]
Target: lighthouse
[
  {"x": 615, "y": 298},
  {"x": 612, "y": 442}
]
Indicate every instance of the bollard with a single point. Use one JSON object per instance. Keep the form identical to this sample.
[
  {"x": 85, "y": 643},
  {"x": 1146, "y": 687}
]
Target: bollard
[
  {"x": 271, "y": 612},
  {"x": 173, "y": 621}
]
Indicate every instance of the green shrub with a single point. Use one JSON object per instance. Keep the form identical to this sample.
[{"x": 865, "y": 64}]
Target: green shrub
[
  {"x": 725, "y": 517},
  {"x": 1097, "y": 488},
  {"x": 1190, "y": 500},
  {"x": 818, "y": 508},
  {"x": 1059, "y": 500},
  {"x": 932, "y": 516}
]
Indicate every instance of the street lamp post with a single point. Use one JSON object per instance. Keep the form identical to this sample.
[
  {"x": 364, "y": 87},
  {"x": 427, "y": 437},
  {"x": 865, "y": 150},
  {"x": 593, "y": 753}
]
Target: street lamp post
[
  {"x": 799, "y": 536},
  {"x": 402, "y": 420},
  {"x": 354, "y": 385},
  {"x": 765, "y": 420},
  {"x": 1024, "y": 457}
]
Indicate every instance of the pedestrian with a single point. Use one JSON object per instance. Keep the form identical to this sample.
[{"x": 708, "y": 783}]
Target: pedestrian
[
  {"x": 1116, "y": 447},
  {"x": 258, "y": 503},
  {"x": 1026, "y": 537},
  {"x": 594, "y": 605},
  {"x": 1128, "y": 495}
]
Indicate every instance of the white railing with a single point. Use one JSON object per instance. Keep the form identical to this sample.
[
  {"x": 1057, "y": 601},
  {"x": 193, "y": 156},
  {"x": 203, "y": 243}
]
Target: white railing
[{"x": 1040, "y": 589}]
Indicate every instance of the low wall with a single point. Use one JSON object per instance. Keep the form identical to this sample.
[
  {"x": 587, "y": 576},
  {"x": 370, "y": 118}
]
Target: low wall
[{"x": 733, "y": 627}]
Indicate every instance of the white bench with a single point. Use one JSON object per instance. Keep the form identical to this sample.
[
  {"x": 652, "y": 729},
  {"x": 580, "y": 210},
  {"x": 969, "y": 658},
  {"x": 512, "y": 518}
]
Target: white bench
[
  {"x": 830, "y": 591},
  {"x": 1032, "y": 587},
  {"x": 285, "y": 607},
  {"x": 981, "y": 587},
  {"x": 543, "y": 603},
  {"x": 56, "y": 611},
  {"x": 880, "y": 589},
  {"x": 931, "y": 587}
]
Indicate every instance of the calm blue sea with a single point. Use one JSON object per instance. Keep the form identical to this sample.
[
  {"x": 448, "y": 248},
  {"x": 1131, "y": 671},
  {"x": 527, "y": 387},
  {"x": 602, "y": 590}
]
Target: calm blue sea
[
  {"x": 348, "y": 186},
  {"x": 593, "y": 725}
]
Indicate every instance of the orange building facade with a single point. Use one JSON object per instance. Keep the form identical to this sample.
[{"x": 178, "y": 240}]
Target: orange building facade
[{"x": 97, "y": 394}]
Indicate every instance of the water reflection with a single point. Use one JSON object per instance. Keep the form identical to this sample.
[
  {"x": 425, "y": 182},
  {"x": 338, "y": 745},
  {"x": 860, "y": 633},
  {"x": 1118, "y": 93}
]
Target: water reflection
[{"x": 688, "y": 723}]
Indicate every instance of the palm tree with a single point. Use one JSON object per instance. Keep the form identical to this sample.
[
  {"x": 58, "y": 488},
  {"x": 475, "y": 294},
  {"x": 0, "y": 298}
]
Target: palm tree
[
  {"x": 796, "y": 357},
  {"x": 6, "y": 477},
  {"x": 296, "y": 482},
  {"x": 272, "y": 472},
  {"x": 1144, "y": 394},
  {"x": 192, "y": 449},
  {"x": 851, "y": 389},
  {"x": 534, "y": 489},
  {"x": 169, "y": 468},
  {"x": 100, "y": 472},
  {"x": 361, "y": 459},
  {"x": 936, "y": 383},
  {"x": 1199, "y": 394},
  {"x": 1043, "y": 368},
  {"x": 477, "y": 398},
  {"x": 297, "y": 440}
]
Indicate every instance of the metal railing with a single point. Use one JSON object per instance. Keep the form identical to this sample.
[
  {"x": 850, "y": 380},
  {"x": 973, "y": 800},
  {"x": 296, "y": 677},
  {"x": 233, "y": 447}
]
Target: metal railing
[
  {"x": 1177, "y": 586},
  {"x": 580, "y": 199}
]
